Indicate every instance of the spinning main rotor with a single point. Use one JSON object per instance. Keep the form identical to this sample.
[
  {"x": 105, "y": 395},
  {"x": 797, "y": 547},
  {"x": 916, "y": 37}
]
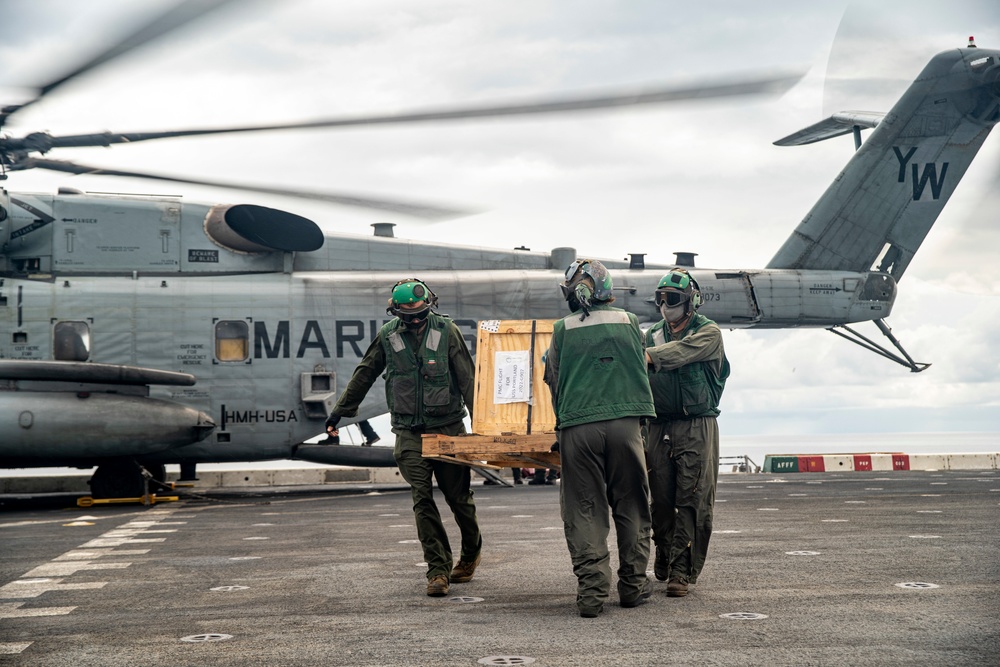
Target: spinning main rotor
[{"x": 23, "y": 153}]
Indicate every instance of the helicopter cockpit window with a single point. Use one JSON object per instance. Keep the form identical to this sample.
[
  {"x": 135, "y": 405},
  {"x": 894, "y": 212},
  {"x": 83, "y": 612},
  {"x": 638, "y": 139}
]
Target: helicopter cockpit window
[
  {"x": 71, "y": 341},
  {"x": 232, "y": 340}
]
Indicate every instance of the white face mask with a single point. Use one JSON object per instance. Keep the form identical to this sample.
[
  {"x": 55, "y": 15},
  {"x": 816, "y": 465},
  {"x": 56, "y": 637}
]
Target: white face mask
[{"x": 673, "y": 314}]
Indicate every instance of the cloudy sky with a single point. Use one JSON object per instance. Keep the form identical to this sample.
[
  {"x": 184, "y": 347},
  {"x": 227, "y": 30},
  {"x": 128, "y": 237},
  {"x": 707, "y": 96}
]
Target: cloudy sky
[{"x": 696, "y": 177}]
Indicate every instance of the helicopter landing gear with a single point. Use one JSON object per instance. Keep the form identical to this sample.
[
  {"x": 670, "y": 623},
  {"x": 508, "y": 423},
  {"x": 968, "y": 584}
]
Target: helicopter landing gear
[
  {"x": 869, "y": 344},
  {"x": 124, "y": 478}
]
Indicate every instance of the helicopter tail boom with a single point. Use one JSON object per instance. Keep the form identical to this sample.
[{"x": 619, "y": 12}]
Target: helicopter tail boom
[{"x": 880, "y": 208}]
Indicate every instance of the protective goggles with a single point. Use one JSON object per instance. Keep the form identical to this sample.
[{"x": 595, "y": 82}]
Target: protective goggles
[
  {"x": 412, "y": 316},
  {"x": 573, "y": 268},
  {"x": 670, "y": 297}
]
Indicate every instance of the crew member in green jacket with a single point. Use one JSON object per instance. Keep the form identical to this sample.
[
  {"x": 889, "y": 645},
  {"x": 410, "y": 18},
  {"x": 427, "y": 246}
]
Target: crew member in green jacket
[
  {"x": 595, "y": 370},
  {"x": 687, "y": 373},
  {"x": 429, "y": 383}
]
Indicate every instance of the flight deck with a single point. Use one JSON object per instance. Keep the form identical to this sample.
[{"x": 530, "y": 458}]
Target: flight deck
[{"x": 866, "y": 568}]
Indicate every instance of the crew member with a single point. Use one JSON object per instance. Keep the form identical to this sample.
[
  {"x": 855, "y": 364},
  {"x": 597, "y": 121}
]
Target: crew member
[
  {"x": 368, "y": 433},
  {"x": 687, "y": 373},
  {"x": 430, "y": 379},
  {"x": 595, "y": 370}
]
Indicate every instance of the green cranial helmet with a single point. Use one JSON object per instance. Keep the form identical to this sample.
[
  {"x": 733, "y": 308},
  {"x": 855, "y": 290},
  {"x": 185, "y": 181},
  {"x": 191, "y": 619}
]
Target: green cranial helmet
[
  {"x": 677, "y": 287},
  {"x": 411, "y": 290},
  {"x": 678, "y": 279}
]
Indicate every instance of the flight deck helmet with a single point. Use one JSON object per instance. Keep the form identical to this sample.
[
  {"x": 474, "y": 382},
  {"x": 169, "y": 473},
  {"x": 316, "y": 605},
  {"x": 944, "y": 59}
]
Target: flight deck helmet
[
  {"x": 407, "y": 292},
  {"x": 587, "y": 282},
  {"x": 678, "y": 287}
]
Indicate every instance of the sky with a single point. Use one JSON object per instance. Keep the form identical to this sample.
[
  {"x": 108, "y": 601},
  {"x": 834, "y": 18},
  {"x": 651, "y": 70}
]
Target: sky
[{"x": 701, "y": 177}]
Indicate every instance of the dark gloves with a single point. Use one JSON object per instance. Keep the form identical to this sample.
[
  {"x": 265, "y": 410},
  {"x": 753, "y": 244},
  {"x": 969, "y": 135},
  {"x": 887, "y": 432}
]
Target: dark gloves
[{"x": 332, "y": 421}]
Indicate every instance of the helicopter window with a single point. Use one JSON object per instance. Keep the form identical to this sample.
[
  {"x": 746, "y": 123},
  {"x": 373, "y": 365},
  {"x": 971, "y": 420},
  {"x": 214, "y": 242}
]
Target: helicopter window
[
  {"x": 232, "y": 340},
  {"x": 71, "y": 341}
]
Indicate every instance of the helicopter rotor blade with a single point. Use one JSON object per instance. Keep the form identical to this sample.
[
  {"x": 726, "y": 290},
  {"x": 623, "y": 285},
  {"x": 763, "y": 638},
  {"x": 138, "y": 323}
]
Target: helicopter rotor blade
[
  {"x": 774, "y": 85},
  {"x": 410, "y": 208},
  {"x": 173, "y": 18}
]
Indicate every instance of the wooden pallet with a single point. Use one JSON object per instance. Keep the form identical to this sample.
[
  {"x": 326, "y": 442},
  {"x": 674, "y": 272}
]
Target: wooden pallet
[{"x": 508, "y": 450}]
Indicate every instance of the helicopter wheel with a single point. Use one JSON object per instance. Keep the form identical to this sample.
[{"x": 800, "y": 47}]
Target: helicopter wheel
[
  {"x": 159, "y": 472},
  {"x": 122, "y": 478}
]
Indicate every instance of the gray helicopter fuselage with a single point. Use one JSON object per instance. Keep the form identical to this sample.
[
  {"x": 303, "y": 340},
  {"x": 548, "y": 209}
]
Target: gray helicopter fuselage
[
  {"x": 270, "y": 337},
  {"x": 268, "y": 317}
]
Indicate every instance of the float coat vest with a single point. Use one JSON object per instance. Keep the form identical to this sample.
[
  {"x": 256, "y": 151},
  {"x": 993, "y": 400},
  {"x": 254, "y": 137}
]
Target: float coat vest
[
  {"x": 418, "y": 387},
  {"x": 693, "y": 390},
  {"x": 600, "y": 368}
]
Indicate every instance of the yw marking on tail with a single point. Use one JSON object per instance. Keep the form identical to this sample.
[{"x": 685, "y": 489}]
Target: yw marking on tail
[{"x": 920, "y": 180}]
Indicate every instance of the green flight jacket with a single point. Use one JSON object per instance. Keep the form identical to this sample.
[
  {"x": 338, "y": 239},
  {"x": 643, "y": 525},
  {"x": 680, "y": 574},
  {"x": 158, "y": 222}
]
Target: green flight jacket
[
  {"x": 595, "y": 368},
  {"x": 428, "y": 379},
  {"x": 688, "y": 372},
  {"x": 418, "y": 387}
]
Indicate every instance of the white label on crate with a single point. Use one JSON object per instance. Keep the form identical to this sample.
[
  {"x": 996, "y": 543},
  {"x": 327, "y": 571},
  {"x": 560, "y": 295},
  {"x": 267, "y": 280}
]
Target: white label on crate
[
  {"x": 512, "y": 377},
  {"x": 493, "y": 326}
]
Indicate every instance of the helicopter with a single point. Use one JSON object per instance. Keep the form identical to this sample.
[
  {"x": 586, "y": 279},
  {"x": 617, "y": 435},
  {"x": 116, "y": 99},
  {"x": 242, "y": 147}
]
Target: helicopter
[{"x": 139, "y": 331}]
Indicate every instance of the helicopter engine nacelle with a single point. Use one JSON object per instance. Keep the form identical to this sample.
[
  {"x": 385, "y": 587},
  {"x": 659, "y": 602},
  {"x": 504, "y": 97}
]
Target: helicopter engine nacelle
[{"x": 256, "y": 229}]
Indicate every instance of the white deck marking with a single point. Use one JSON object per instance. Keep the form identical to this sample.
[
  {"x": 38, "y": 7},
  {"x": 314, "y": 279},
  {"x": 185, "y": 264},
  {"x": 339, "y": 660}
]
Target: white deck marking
[
  {"x": 117, "y": 542},
  {"x": 12, "y": 610},
  {"x": 66, "y": 568},
  {"x": 13, "y": 648},
  {"x": 165, "y": 530},
  {"x": 90, "y": 554},
  {"x": 32, "y": 589},
  {"x": 49, "y": 577}
]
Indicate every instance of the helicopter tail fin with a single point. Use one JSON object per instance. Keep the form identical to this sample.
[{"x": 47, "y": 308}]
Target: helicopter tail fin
[{"x": 878, "y": 210}]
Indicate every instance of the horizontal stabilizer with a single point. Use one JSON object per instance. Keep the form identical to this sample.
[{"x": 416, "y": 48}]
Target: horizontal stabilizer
[{"x": 836, "y": 125}]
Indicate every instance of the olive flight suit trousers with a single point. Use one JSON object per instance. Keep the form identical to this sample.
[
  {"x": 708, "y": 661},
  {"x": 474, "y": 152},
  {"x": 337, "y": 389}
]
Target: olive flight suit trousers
[
  {"x": 603, "y": 464},
  {"x": 683, "y": 458},
  {"x": 453, "y": 482}
]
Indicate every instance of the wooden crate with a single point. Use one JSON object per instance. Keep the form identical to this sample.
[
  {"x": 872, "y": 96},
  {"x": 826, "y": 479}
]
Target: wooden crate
[
  {"x": 506, "y": 435},
  {"x": 491, "y": 418}
]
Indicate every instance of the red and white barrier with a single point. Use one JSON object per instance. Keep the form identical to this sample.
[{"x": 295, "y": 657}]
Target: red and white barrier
[{"x": 880, "y": 462}]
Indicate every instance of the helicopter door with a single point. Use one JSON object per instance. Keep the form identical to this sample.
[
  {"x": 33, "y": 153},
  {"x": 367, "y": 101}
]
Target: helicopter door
[{"x": 728, "y": 298}]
